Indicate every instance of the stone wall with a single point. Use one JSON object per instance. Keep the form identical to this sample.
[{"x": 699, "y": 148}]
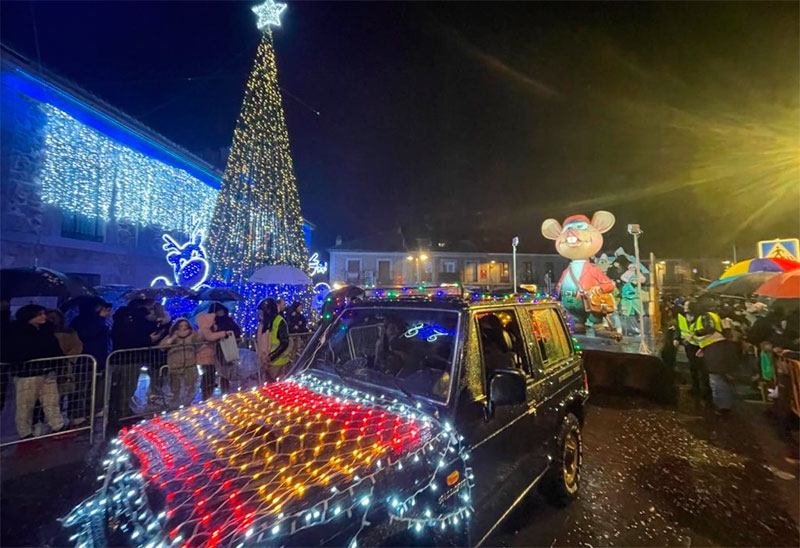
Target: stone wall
[{"x": 31, "y": 232}]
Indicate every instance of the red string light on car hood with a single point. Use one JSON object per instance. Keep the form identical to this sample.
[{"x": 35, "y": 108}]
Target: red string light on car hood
[{"x": 267, "y": 453}]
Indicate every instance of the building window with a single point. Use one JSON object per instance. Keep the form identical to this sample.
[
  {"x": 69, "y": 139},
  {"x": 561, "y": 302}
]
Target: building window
[
  {"x": 449, "y": 267},
  {"x": 528, "y": 276},
  {"x": 353, "y": 269},
  {"x": 384, "y": 272},
  {"x": 471, "y": 271},
  {"x": 504, "y": 272},
  {"x": 81, "y": 227}
]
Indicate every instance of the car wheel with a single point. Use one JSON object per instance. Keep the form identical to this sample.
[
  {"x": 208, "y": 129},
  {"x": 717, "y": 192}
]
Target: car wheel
[{"x": 561, "y": 483}]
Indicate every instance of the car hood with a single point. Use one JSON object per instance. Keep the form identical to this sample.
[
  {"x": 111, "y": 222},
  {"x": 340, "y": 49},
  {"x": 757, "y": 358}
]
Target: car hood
[{"x": 268, "y": 461}]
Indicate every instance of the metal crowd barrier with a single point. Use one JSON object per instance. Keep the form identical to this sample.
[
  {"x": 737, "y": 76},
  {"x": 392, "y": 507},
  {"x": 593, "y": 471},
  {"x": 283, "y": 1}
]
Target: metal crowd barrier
[
  {"x": 49, "y": 397},
  {"x": 140, "y": 382},
  {"x": 792, "y": 370}
]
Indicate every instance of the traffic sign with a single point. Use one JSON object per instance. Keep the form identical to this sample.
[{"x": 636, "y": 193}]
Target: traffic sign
[{"x": 779, "y": 249}]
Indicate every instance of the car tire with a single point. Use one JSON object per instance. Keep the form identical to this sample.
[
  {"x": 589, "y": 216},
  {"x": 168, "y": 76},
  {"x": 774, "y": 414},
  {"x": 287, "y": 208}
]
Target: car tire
[{"x": 562, "y": 481}]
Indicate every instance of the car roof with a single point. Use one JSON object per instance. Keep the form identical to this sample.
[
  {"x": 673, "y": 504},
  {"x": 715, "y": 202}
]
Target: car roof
[{"x": 451, "y": 302}]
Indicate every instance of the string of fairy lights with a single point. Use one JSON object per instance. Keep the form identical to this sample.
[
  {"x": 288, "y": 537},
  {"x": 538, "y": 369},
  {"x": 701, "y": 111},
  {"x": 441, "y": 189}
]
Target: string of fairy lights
[
  {"x": 258, "y": 220},
  {"x": 85, "y": 173},
  {"x": 274, "y": 461}
]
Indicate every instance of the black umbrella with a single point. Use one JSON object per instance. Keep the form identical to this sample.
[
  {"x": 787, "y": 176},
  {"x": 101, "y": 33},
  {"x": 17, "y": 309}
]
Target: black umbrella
[
  {"x": 217, "y": 294},
  {"x": 39, "y": 282},
  {"x": 159, "y": 292},
  {"x": 81, "y": 301}
]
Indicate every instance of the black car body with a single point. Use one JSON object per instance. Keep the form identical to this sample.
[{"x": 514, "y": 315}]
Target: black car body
[{"x": 421, "y": 420}]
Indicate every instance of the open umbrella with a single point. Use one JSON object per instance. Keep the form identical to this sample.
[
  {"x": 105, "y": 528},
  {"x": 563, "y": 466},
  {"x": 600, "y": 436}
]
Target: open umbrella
[
  {"x": 159, "y": 292},
  {"x": 743, "y": 284},
  {"x": 82, "y": 301},
  {"x": 781, "y": 286},
  {"x": 217, "y": 294},
  {"x": 760, "y": 265},
  {"x": 39, "y": 282},
  {"x": 280, "y": 275}
]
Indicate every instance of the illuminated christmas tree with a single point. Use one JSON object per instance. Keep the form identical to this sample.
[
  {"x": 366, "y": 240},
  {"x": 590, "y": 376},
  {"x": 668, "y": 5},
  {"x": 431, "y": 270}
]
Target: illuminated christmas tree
[{"x": 257, "y": 219}]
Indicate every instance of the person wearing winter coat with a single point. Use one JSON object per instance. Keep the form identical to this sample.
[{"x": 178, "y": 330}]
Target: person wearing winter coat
[
  {"x": 297, "y": 321},
  {"x": 720, "y": 357},
  {"x": 131, "y": 329},
  {"x": 74, "y": 377},
  {"x": 224, "y": 322},
  {"x": 272, "y": 340},
  {"x": 91, "y": 325},
  {"x": 181, "y": 345},
  {"x": 207, "y": 352},
  {"x": 31, "y": 339}
]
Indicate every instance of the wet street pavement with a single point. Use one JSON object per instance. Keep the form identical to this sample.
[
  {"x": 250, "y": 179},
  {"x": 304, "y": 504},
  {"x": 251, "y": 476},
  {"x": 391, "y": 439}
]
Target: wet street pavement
[
  {"x": 680, "y": 476},
  {"x": 653, "y": 476}
]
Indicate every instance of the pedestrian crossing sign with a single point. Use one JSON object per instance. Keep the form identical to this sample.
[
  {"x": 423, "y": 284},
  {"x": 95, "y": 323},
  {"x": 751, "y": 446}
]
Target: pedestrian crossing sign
[{"x": 779, "y": 249}]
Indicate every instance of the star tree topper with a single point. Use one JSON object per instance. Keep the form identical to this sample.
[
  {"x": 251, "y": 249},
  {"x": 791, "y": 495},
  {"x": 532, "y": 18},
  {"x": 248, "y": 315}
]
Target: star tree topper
[{"x": 269, "y": 13}]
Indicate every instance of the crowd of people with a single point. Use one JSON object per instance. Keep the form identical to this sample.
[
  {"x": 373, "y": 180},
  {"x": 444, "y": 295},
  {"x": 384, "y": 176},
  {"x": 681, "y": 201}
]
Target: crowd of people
[
  {"x": 44, "y": 356},
  {"x": 727, "y": 338}
]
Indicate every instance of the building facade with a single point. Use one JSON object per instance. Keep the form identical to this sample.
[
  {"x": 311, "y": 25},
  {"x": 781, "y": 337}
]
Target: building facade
[
  {"x": 87, "y": 190},
  {"x": 387, "y": 260}
]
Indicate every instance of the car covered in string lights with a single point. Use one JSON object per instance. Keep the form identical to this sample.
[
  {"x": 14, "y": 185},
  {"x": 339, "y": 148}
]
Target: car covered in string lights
[{"x": 415, "y": 417}]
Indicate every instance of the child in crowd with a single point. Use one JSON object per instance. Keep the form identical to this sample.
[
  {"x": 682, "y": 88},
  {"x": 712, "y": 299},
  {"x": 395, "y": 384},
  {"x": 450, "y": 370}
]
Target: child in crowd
[{"x": 182, "y": 362}]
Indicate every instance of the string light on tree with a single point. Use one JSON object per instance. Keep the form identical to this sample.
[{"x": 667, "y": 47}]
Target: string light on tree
[
  {"x": 257, "y": 219},
  {"x": 269, "y": 14}
]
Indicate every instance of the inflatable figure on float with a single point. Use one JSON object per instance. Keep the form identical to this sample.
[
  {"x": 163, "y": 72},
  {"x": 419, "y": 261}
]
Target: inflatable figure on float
[{"x": 584, "y": 289}]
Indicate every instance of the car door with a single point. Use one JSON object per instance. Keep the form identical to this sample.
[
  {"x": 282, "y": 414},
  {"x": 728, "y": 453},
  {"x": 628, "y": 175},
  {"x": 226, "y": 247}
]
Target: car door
[
  {"x": 503, "y": 443},
  {"x": 555, "y": 362}
]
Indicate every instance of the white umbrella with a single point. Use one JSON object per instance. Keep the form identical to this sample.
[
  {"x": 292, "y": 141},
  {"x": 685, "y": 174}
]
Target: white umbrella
[{"x": 280, "y": 274}]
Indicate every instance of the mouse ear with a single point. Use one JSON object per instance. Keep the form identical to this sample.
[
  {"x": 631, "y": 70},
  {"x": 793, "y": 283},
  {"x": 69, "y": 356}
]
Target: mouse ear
[
  {"x": 603, "y": 221},
  {"x": 551, "y": 229}
]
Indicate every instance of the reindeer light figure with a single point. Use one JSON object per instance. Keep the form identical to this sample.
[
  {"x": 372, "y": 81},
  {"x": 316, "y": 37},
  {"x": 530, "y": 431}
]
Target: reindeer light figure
[{"x": 190, "y": 266}]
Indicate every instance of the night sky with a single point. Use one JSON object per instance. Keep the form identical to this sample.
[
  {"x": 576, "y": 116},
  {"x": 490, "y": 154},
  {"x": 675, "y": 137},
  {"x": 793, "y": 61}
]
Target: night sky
[{"x": 476, "y": 120}]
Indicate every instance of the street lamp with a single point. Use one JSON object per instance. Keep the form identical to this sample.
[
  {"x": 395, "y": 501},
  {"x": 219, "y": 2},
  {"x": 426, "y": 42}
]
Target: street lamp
[
  {"x": 636, "y": 231},
  {"x": 514, "y": 244}
]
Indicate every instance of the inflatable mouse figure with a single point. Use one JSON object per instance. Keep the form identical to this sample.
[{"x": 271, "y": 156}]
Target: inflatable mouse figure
[{"x": 584, "y": 289}]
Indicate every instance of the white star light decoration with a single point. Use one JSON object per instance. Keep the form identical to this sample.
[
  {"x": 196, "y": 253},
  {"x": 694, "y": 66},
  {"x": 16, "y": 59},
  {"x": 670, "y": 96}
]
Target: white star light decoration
[{"x": 269, "y": 13}]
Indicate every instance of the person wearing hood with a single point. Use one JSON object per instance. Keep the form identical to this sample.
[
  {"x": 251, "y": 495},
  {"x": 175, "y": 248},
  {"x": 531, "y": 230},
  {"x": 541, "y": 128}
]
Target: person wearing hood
[
  {"x": 33, "y": 338},
  {"x": 181, "y": 344},
  {"x": 207, "y": 352}
]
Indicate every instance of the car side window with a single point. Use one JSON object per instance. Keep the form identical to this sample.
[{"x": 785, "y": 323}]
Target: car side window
[
  {"x": 548, "y": 331},
  {"x": 501, "y": 341}
]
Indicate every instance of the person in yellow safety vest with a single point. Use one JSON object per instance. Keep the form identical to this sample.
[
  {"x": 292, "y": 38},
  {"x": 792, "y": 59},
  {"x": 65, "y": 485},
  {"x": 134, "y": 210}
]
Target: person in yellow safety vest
[
  {"x": 707, "y": 329},
  {"x": 719, "y": 358},
  {"x": 687, "y": 327},
  {"x": 272, "y": 339}
]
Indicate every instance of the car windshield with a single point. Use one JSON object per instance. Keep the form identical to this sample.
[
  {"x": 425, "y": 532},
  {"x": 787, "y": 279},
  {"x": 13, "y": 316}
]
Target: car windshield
[{"x": 405, "y": 349}]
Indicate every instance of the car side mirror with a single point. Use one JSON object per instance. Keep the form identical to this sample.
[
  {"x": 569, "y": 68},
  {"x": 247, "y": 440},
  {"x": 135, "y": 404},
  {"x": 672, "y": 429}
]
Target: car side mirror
[{"x": 507, "y": 387}]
